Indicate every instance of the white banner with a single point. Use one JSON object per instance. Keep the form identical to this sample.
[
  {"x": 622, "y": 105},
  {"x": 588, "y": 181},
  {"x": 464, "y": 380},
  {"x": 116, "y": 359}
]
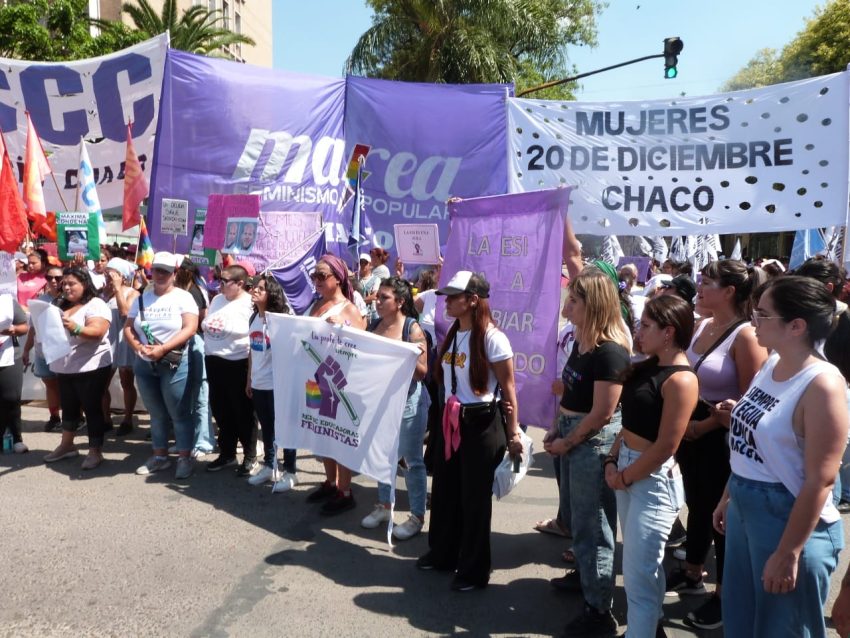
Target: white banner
[
  {"x": 88, "y": 99},
  {"x": 340, "y": 392},
  {"x": 750, "y": 161},
  {"x": 49, "y": 330}
]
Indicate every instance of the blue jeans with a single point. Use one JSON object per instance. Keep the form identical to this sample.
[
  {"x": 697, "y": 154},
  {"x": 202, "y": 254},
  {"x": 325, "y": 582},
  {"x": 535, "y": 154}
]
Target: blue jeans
[
  {"x": 593, "y": 509},
  {"x": 647, "y": 510},
  {"x": 204, "y": 432},
  {"x": 167, "y": 395},
  {"x": 264, "y": 407},
  {"x": 755, "y": 521},
  {"x": 414, "y": 420}
]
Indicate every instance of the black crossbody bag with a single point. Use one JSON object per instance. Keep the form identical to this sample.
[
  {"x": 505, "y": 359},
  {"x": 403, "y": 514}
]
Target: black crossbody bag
[
  {"x": 703, "y": 411},
  {"x": 174, "y": 356}
]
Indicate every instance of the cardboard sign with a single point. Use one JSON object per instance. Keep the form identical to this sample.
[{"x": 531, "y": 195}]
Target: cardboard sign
[
  {"x": 197, "y": 253},
  {"x": 221, "y": 209},
  {"x": 241, "y": 236},
  {"x": 77, "y": 233},
  {"x": 174, "y": 217},
  {"x": 417, "y": 243},
  {"x": 8, "y": 278}
]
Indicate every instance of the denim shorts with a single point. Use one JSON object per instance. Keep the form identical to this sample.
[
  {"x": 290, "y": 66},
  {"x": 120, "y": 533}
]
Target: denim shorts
[{"x": 40, "y": 368}]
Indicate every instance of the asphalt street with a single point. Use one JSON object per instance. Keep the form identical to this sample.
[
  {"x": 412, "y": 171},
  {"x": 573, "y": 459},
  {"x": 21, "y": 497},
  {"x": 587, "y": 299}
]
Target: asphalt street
[{"x": 109, "y": 553}]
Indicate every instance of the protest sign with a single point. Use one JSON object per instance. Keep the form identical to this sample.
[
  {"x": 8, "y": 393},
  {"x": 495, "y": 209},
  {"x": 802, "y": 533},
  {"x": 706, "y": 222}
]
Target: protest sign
[
  {"x": 282, "y": 237},
  {"x": 773, "y": 158},
  {"x": 328, "y": 398},
  {"x": 417, "y": 243},
  {"x": 77, "y": 233},
  {"x": 294, "y": 278},
  {"x": 241, "y": 236},
  {"x": 516, "y": 241},
  {"x": 641, "y": 262},
  {"x": 8, "y": 278},
  {"x": 222, "y": 209},
  {"x": 197, "y": 253},
  {"x": 49, "y": 330},
  {"x": 86, "y": 99},
  {"x": 174, "y": 216}
]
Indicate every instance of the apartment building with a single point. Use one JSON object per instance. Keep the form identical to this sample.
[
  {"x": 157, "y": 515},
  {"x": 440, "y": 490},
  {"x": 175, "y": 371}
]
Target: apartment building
[{"x": 248, "y": 17}]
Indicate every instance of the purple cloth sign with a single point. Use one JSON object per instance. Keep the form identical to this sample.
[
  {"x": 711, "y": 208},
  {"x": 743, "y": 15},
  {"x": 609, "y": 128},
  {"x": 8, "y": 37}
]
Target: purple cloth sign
[
  {"x": 233, "y": 128},
  {"x": 641, "y": 262},
  {"x": 426, "y": 143},
  {"x": 516, "y": 241},
  {"x": 295, "y": 278}
]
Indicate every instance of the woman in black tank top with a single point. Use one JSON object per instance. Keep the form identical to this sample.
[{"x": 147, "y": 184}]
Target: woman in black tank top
[{"x": 659, "y": 395}]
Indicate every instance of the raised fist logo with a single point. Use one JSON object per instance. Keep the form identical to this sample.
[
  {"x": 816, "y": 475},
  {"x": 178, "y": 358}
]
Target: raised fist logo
[{"x": 331, "y": 380}]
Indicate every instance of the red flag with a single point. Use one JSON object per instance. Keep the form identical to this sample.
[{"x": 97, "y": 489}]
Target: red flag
[
  {"x": 36, "y": 169},
  {"x": 135, "y": 184},
  {"x": 13, "y": 216},
  {"x": 46, "y": 227}
]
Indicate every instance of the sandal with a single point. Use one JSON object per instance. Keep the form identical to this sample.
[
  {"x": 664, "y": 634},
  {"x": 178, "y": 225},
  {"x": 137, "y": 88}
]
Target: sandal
[
  {"x": 569, "y": 557},
  {"x": 552, "y": 526}
]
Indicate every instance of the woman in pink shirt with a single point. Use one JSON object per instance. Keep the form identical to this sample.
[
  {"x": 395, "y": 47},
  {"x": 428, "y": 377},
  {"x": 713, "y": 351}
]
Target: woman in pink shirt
[{"x": 32, "y": 282}]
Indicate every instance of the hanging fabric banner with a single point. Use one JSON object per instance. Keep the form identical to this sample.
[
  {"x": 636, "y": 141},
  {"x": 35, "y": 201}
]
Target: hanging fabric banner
[
  {"x": 87, "y": 99},
  {"x": 295, "y": 280},
  {"x": 516, "y": 241},
  {"x": 423, "y": 144},
  {"x": 773, "y": 158},
  {"x": 328, "y": 398}
]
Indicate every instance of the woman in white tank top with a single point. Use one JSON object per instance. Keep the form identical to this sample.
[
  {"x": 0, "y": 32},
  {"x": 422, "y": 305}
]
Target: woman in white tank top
[{"x": 787, "y": 435}]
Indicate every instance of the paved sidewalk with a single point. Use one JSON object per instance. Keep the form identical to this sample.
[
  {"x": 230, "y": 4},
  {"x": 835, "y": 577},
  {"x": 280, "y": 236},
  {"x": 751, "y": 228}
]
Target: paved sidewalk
[{"x": 109, "y": 553}]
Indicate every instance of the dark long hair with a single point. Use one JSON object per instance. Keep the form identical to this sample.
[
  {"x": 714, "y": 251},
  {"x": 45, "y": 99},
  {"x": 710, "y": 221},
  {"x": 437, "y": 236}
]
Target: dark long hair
[
  {"x": 479, "y": 367},
  {"x": 803, "y": 298},
  {"x": 745, "y": 280},
  {"x": 668, "y": 311},
  {"x": 276, "y": 300},
  {"x": 825, "y": 271},
  {"x": 89, "y": 291},
  {"x": 403, "y": 293}
]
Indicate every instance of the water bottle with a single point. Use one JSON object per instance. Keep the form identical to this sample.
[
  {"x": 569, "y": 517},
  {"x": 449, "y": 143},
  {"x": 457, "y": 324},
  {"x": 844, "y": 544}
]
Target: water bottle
[{"x": 8, "y": 443}]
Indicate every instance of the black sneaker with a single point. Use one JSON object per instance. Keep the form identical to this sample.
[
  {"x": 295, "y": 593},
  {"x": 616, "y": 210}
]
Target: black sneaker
[
  {"x": 707, "y": 616},
  {"x": 427, "y": 563},
  {"x": 249, "y": 464},
  {"x": 592, "y": 623},
  {"x": 843, "y": 506},
  {"x": 338, "y": 504},
  {"x": 678, "y": 535},
  {"x": 461, "y": 584},
  {"x": 571, "y": 581},
  {"x": 322, "y": 493},
  {"x": 221, "y": 462},
  {"x": 53, "y": 423},
  {"x": 125, "y": 428},
  {"x": 680, "y": 584}
]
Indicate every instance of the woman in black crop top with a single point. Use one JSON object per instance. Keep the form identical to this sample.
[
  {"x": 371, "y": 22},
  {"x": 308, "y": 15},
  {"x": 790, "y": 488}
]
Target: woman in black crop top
[
  {"x": 659, "y": 395},
  {"x": 587, "y": 426}
]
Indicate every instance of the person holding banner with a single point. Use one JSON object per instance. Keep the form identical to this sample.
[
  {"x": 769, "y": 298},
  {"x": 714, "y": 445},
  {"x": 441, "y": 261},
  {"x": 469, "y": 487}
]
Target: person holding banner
[
  {"x": 13, "y": 316},
  {"x": 477, "y": 367},
  {"x": 587, "y": 426},
  {"x": 159, "y": 326},
  {"x": 335, "y": 305},
  {"x": 267, "y": 296},
  {"x": 51, "y": 293},
  {"x": 84, "y": 372},
  {"x": 397, "y": 320},
  {"x": 659, "y": 395}
]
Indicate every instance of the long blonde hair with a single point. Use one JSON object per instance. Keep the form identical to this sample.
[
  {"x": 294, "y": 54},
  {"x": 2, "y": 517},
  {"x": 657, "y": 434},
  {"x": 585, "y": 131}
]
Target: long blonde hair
[{"x": 602, "y": 318}]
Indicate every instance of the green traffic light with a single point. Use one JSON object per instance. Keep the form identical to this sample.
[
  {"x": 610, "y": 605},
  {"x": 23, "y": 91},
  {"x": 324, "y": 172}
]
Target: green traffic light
[{"x": 670, "y": 73}]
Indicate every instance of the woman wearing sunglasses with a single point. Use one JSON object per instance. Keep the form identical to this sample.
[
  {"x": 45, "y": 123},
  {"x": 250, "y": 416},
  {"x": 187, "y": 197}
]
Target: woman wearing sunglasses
[
  {"x": 159, "y": 325},
  {"x": 85, "y": 371},
  {"x": 334, "y": 305},
  {"x": 39, "y": 366},
  {"x": 786, "y": 436}
]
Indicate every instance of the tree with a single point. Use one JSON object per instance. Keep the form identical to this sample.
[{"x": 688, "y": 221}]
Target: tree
[
  {"x": 822, "y": 47},
  {"x": 470, "y": 41},
  {"x": 55, "y": 30},
  {"x": 197, "y": 30}
]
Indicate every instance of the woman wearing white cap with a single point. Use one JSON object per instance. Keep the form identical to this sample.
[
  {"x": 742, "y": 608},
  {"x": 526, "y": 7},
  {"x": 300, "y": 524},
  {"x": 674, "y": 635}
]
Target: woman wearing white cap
[
  {"x": 159, "y": 324},
  {"x": 119, "y": 295},
  {"x": 477, "y": 361}
]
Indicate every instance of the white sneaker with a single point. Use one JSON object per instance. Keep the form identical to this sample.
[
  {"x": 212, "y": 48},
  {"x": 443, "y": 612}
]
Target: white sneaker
[
  {"x": 679, "y": 553},
  {"x": 410, "y": 528},
  {"x": 185, "y": 467},
  {"x": 199, "y": 454},
  {"x": 379, "y": 515},
  {"x": 154, "y": 464},
  {"x": 20, "y": 448},
  {"x": 265, "y": 474},
  {"x": 285, "y": 483}
]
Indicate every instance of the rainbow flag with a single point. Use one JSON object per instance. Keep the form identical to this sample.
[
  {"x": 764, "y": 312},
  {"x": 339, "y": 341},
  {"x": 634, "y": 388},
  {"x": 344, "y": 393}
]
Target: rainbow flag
[
  {"x": 144, "y": 252},
  {"x": 314, "y": 395}
]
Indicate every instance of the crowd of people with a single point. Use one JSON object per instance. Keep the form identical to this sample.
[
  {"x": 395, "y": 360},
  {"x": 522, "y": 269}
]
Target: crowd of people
[{"x": 723, "y": 390}]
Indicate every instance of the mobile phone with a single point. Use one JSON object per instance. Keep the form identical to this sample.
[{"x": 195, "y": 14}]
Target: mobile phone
[{"x": 705, "y": 404}]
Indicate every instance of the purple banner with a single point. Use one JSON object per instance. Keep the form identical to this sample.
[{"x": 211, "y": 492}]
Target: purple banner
[
  {"x": 233, "y": 128},
  {"x": 295, "y": 278},
  {"x": 426, "y": 143},
  {"x": 516, "y": 241}
]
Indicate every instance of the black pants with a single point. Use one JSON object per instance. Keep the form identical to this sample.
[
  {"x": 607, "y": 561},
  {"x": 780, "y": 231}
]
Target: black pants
[
  {"x": 462, "y": 498},
  {"x": 705, "y": 470},
  {"x": 264, "y": 405},
  {"x": 82, "y": 393},
  {"x": 232, "y": 409},
  {"x": 11, "y": 381}
]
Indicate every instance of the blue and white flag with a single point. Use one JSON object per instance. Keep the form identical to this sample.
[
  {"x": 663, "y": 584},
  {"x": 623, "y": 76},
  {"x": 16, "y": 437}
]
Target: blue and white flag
[
  {"x": 807, "y": 243},
  {"x": 88, "y": 193}
]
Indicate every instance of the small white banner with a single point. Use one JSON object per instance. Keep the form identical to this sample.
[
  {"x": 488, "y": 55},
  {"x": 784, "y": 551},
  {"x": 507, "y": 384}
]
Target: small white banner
[{"x": 760, "y": 160}]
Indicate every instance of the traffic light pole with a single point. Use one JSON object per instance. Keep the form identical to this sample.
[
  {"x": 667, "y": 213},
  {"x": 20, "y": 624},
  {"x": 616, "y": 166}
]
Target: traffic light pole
[{"x": 547, "y": 85}]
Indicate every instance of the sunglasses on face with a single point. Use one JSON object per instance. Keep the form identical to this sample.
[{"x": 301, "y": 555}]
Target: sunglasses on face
[
  {"x": 320, "y": 276},
  {"x": 54, "y": 277}
]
